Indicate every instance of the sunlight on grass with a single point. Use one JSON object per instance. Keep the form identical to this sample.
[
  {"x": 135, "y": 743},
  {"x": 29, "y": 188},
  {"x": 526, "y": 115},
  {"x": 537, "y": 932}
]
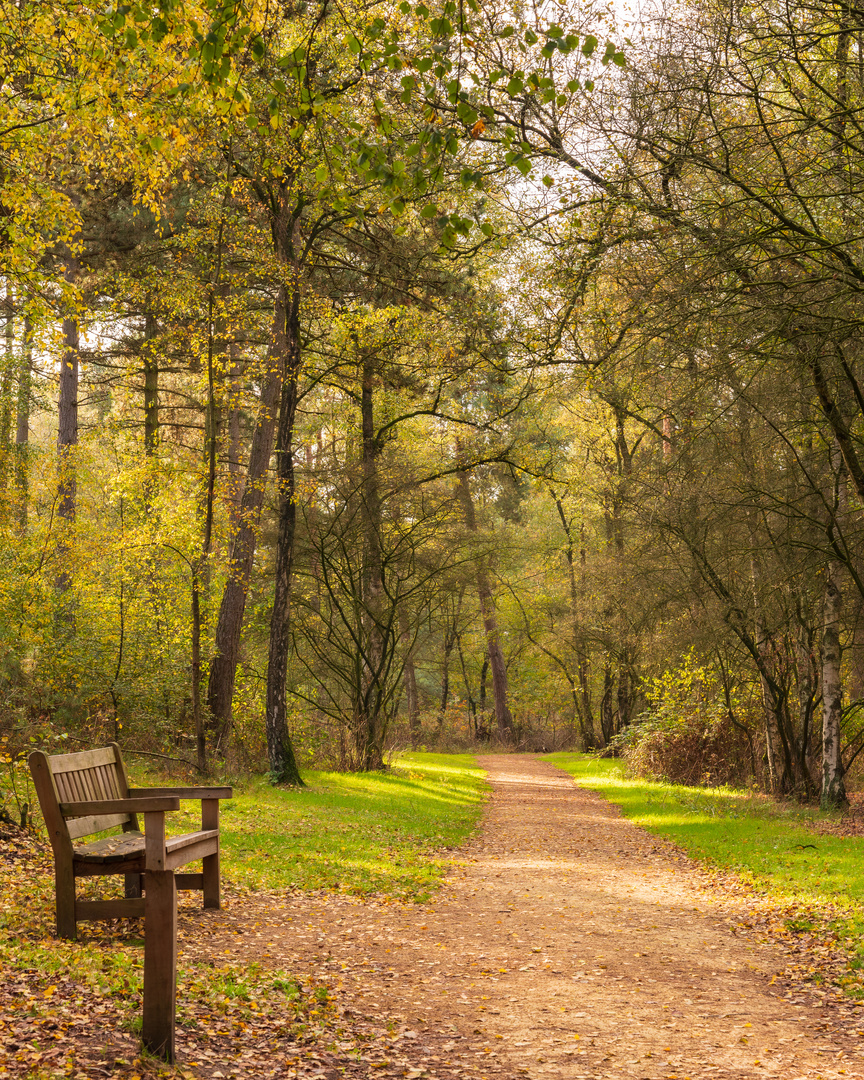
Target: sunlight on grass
[
  {"x": 357, "y": 832},
  {"x": 774, "y": 842},
  {"x": 776, "y": 847}
]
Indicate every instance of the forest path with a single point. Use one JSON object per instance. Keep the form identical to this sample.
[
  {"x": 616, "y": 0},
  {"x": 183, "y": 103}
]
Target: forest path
[{"x": 566, "y": 943}]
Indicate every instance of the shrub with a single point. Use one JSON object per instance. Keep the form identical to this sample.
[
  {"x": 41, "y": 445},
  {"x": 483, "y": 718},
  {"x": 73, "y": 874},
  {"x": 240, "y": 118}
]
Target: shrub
[{"x": 689, "y": 734}]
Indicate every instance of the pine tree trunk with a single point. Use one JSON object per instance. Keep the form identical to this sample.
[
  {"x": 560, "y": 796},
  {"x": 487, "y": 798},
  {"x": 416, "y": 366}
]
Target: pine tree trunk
[
  {"x": 22, "y": 426},
  {"x": 67, "y": 438},
  {"x": 223, "y": 669},
  {"x": 503, "y": 716},
  {"x": 283, "y": 765}
]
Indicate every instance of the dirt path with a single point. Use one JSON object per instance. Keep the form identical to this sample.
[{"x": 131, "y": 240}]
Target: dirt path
[{"x": 568, "y": 944}]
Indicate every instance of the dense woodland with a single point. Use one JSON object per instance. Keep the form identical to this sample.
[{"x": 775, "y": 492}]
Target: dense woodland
[{"x": 435, "y": 374}]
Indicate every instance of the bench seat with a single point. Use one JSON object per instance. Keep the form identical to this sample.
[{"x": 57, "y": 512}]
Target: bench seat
[
  {"x": 112, "y": 849},
  {"x": 130, "y": 845}
]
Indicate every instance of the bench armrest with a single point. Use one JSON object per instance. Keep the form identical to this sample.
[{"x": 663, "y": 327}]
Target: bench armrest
[
  {"x": 183, "y": 792},
  {"x": 119, "y": 806}
]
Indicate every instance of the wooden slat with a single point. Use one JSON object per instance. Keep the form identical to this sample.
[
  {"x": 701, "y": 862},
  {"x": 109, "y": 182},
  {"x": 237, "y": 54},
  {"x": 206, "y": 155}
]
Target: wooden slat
[
  {"x": 86, "y": 759},
  {"x": 95, "y": 910},
  {"x": 186, "y": 792},
  {"x": 177, "y": 843},
  {"x": 191, "y": 853},
  {"x": 111, "y": 783},
  {"x": 189, "y": 881},
  {"x": 86, "y": 826},
  {"x": 98, "y": 778},
  {"x": 94, "y": 782},
  {"x": 119, "y": 806},
  {"x": 128, "y": 866},
  {"x": 61, "y": 786},
  {"x": 111, "y": 849},
  {"x": 82, "y": 779}
]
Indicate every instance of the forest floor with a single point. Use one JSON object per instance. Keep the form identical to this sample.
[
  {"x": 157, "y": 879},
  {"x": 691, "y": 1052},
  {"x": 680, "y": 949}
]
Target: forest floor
[{"x": 566, "y": 943}]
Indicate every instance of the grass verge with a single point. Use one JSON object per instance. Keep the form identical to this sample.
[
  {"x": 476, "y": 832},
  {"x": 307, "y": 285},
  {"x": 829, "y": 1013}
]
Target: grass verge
[
  {"x": 813, "y": 880},
  {"x": 360, "y": 833}
]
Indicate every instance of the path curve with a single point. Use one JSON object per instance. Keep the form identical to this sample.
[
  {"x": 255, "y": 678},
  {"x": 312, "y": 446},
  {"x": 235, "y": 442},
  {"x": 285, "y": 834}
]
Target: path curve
[{"x": 568, "y": 943}]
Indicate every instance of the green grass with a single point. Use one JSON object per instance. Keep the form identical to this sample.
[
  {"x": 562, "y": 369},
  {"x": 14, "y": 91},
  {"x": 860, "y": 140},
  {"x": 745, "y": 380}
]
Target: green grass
[
  {"x": 360, "y": 833},
  {"x": 775, "y": 847},
  {"x": 774, "y": 844}
]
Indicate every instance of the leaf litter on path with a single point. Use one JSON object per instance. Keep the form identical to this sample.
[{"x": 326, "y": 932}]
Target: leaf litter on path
[{"x": 566, "y": 942}]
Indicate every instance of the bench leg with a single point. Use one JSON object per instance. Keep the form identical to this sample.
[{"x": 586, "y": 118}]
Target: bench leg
[
  {"x": 64, "y": 895},
  {"x": 160, "y": 962},
  {"x": 210, "y": 864},
  {"x": 211, "y": 880}
]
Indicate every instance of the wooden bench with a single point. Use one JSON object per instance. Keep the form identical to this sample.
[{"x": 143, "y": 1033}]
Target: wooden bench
[{"x": 87, "y": 793}]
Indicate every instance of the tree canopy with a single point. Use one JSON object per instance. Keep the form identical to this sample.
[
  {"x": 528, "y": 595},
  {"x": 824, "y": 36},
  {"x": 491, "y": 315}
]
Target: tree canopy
[{"x": 435, "y": 373}]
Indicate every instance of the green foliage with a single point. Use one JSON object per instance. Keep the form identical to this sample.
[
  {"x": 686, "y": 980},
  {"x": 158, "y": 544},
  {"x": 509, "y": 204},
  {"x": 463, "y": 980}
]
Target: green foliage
[{"x": 109, "y": 657}]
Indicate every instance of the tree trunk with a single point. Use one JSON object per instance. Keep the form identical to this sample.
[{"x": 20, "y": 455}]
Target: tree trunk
[
  {"x": 6, "y": 374},
  {"x": 67, "y": 437},
  {"x": 223, "y": 669},
  {"x": 232, "y": 450},
  {"x": 283, "y": 765},
  {"x": 151, "y": 386},
  {"x": 412, "y": 698},
  {"x": 781, "y": 766},
  {"x": 833, "y": 793},
  {"x": 808, "y": 682},
  {"x": 449, "y": 639},
  {"x": 624, "y": 460},
  {"x": 490, "y": 622},
  {"x": 607, "y": 713},
  {"x": 22, "y": 427},
  {"x": 484, "y": 674},
  {"x": 368, "y": 733},
  {"x": 779, "y": 760},
  {"x": 584, "y": 714}
]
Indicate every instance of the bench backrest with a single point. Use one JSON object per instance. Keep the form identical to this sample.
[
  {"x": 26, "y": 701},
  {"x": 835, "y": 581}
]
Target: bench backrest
[{"x": 84, "y": 777}]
